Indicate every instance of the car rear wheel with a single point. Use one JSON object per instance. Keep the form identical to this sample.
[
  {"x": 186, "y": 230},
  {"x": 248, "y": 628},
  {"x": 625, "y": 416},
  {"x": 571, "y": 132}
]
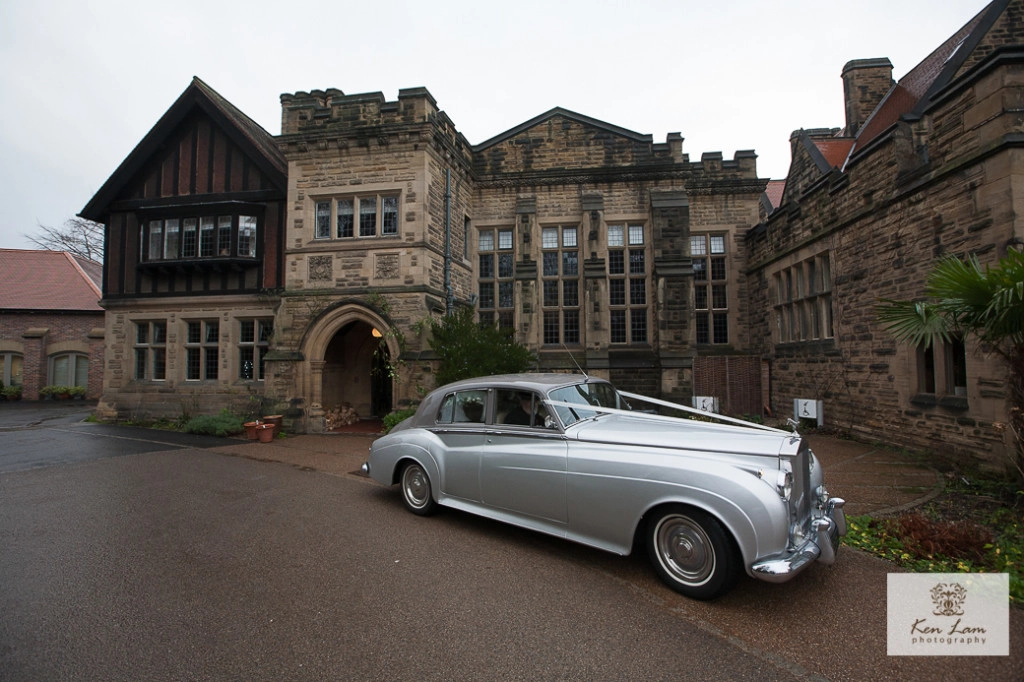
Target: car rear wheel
[
  {"x": 692, "y": 553},
  {"x": 415, "y": 486}
]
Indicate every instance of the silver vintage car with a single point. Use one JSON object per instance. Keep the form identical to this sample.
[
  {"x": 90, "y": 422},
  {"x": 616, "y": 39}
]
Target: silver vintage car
[{"x": 567, "y": 455}]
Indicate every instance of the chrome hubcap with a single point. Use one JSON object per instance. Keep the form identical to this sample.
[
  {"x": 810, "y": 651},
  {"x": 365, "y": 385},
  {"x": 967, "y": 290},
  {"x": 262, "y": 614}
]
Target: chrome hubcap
[
  {"x": 416, "y": 486},
  {"x": 685, "y": 550}
]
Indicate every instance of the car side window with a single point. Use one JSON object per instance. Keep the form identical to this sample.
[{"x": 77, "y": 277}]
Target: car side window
[
  {"x": 464, "y": 407},
  {"x": 444, "y": 415},
  {"x": 522, "y": 408},
  {"x": 470, "y": 407}
]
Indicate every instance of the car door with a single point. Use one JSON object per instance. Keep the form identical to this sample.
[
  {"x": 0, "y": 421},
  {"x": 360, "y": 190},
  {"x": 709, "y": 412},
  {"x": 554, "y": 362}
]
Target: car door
[
  {"x": 523, "y": 468},
  {"x": 460, "y": 429}
]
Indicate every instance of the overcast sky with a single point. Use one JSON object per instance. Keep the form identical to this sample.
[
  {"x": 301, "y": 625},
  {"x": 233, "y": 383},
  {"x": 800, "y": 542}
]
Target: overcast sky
[{"x": 83, "y": 81}]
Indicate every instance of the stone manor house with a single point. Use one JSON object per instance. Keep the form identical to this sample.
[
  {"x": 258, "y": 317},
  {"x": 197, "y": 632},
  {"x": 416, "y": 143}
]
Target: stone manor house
[{"x": 293, "y": 269}]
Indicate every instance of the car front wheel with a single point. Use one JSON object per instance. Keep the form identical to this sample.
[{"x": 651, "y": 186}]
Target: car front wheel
[
  {"x": 692, "y": 553},
  {"x": 415, "y": 486}
]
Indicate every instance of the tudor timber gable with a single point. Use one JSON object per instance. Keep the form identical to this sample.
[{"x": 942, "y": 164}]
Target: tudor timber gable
[{"x": 193, "y": 223}]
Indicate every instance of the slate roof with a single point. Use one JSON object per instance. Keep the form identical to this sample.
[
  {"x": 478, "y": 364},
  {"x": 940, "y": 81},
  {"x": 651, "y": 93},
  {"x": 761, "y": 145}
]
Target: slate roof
[{"x": 48, "y": 280}]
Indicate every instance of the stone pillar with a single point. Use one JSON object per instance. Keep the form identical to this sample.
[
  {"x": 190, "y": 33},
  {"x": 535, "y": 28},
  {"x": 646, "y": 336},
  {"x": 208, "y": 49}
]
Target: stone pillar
[
  {"x": 34, "y": 372},
  {"x": 315, "y": 422},
  {"x": 673, "y": 281}
]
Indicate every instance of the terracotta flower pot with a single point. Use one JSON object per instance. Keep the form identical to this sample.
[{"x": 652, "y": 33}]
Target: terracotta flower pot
[
  {"x": 265, "y": 433},
  {"x": 276, "y": 419},
  {"x": 250, "y": 429}
]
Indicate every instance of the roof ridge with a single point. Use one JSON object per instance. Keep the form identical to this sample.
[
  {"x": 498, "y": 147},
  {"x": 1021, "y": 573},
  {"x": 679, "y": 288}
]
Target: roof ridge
[
  {"x": 81, "y": 271},
  {"x": 561, "y": 111}
]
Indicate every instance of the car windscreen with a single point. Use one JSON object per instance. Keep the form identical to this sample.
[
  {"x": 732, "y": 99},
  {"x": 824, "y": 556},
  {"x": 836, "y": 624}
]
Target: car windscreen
[{"x": 592, "y": 394}]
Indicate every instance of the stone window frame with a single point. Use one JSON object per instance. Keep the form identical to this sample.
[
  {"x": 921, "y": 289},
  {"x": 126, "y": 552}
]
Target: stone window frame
[
  {"x": 801, "y": 296},
  {"x": 150, "y": 350},
  {"x": 231, "y": 234},
  {"x": 254, "y": 350},
  {"x": 7, "y": 359},
  {"x": 941, "y": 370},
  {"x": 327, "y": 216},
  {"x": 629, "y": 284},
  {"x": 561, "y": 272},
  {"x": 73, "y": 358},
  {"x": 496, "y": 276},
  {"x": 709, "y": 255},
  {"x": 202, "y": 355}
]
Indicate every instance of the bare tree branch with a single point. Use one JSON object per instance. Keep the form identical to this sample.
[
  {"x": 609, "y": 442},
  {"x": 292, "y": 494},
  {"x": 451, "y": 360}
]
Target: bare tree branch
[{"x": 77, "y": 236}]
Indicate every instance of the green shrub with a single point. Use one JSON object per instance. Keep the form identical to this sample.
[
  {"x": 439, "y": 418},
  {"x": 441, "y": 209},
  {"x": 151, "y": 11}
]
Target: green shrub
[
  {"x": 468, "y": 349},
  {"x": 392, "y": 420},
  {"x": 222, "y": 424}
]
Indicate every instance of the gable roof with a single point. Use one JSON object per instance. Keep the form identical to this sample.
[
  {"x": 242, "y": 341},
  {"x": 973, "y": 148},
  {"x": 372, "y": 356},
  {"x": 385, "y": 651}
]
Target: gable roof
[
  {"x": 913, "y": 94},
  {"x": 48, "y": 280},
  {"x": 242, "y": 130},
  {"x": 564, "y": 113}
]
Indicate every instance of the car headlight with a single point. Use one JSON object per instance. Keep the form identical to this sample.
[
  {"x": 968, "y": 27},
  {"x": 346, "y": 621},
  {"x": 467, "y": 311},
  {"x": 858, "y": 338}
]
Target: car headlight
[{"x": 784, "y": 484}]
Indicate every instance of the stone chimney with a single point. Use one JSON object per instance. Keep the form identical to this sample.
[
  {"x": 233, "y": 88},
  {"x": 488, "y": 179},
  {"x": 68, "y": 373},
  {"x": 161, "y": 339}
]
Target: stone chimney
[{"x": 865, "y": 83}]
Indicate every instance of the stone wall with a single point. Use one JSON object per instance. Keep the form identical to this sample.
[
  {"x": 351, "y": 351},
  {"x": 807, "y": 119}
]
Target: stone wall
[{"x": 945, "y": 185}]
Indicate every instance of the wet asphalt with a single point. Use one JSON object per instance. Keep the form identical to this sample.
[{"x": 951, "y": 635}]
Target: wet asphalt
[{"x": 128, "y": 554}]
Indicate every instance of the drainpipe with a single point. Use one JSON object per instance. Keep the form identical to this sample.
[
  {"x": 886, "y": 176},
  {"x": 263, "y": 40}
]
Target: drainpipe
[{"x": 449, "y": 292}]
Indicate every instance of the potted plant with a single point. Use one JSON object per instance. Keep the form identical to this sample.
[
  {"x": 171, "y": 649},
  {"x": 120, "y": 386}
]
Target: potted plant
[
  {"x": 265, "y": 433},
  {"x": 47, "y": 392},
  {"x": 12, "y": 393},
  {"x": 61, "y": 392},
  {"x": 76, "y": 392},
  {"x": 250, "y": 429}
]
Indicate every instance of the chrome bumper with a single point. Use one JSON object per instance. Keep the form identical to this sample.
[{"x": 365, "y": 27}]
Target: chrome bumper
[{"x": 823, "y": 545}]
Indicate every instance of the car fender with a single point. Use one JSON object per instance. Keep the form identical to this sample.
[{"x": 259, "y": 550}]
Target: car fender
[
  {"x": 748, "y": 507},
  {"x": 385, "y": 459}
]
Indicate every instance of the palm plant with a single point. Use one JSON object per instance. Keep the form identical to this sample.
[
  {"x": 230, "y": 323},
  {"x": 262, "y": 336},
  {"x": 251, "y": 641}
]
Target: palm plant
[{"x": 965, "y": 298}]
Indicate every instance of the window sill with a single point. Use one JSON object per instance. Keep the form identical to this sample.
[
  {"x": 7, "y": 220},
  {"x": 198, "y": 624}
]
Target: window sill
[
  {"x": 215, "y": 264},
  {"x": 353, "y": 238},
  {"x": 949, "y": 402}
]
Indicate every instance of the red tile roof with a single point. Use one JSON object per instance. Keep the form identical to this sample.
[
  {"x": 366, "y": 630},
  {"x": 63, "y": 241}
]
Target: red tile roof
[
  {"x": 835, "y": 150},
  {"x": 913, "y": 89},
  {"x": 48, "y": 280},
  {"x": 774, "y": 192}
]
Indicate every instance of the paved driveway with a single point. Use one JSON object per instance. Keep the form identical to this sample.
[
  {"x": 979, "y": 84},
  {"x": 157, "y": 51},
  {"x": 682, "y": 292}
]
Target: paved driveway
[{"x": 185, "y": 563}]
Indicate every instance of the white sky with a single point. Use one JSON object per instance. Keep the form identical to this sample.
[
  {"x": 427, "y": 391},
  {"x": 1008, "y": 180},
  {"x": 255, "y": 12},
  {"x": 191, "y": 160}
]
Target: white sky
[{"x": 83, "y": 81}]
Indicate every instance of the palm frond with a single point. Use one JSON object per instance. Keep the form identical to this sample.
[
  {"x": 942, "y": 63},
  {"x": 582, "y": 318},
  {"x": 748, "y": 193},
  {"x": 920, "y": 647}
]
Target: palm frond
[{"x": 917, "y": 323}]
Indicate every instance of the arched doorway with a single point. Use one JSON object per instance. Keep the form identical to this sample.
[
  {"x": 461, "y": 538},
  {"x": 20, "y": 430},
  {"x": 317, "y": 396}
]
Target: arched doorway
[{"x": 355, "y": 371}]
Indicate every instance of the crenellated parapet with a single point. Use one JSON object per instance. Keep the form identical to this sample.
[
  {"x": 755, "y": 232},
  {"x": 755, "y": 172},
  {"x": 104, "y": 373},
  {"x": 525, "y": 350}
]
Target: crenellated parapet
[{"x": 330, "y": 119}]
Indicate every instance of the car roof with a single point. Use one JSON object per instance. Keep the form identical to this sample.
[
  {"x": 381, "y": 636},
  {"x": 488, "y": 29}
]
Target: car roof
[{"x": 537, "y": 381}]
